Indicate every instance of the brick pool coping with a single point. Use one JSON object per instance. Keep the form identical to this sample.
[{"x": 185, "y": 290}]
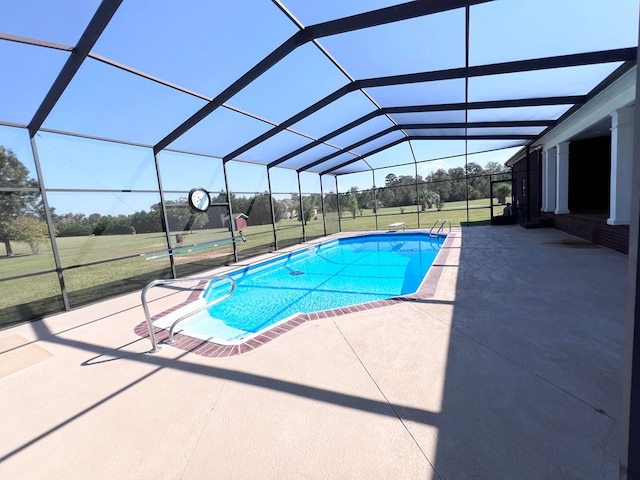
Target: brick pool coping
[{"x": 211, "y": 349}]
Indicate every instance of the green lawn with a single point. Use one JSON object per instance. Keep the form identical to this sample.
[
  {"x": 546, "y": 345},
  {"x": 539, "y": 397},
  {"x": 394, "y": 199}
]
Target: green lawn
[{"x": 455, "y": 212}]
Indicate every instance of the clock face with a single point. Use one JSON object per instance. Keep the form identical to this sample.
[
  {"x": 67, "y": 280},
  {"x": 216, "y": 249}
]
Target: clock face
[{"x": 199, "y": 199}]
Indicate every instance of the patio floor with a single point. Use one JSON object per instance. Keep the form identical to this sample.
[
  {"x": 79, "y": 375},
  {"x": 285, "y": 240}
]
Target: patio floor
[{"x": 511, "y": 370}]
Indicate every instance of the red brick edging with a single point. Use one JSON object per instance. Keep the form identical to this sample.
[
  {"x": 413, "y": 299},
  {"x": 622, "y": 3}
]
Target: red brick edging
[{"x": 211, "y": 349}]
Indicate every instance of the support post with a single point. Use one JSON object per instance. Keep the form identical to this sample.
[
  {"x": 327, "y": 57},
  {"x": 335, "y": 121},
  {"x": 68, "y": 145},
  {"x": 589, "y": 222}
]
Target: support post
[
  {"x": 549, "y": 171},
  {"x": 338, "y": 205},
  {"x": 302, "y": 212},
  {"x": 226, "y": 186},
  {"x": 562, "y": 178},
  {"x": 621, "y": 166},
  {"x": 322, "y": 205},
  {"x": 630, "y": 421}
]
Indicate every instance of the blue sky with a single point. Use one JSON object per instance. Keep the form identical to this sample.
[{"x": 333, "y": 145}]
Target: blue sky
[{"x": 204, "y": 46}]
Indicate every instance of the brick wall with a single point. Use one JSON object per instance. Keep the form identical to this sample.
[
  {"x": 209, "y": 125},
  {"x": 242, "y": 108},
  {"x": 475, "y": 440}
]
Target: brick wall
[{"x": 615, "y": 237}]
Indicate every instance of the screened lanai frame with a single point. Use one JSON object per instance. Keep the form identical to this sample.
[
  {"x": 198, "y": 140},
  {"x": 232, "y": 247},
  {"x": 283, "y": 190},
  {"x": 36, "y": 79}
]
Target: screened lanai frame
[{"x": 326, "y": 112}]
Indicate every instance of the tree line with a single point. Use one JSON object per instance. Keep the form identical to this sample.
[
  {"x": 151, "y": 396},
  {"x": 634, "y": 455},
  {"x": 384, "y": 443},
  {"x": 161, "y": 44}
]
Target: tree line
[{"x": 433, "y": 191}]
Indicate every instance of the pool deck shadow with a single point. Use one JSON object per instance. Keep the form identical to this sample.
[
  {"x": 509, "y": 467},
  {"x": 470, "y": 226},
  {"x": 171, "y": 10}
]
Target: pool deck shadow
[{"x": 510, "y": 368}]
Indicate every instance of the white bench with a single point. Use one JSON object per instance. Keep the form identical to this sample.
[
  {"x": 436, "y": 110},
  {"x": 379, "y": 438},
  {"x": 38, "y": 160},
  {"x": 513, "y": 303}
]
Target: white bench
[{"x": 394, "y": 227}]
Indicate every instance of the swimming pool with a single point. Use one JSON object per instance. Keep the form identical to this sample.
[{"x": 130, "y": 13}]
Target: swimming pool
[{"x": 330, "y": 275}]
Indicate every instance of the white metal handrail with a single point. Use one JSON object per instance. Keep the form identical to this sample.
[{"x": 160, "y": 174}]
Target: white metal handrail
[
  {"x": 440, "y": 224},
  {"x": 168, "y": 281}
]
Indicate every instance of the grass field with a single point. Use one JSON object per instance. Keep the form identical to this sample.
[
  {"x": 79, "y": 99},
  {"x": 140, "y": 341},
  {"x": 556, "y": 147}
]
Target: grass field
[{"x": 100, "y": 267}]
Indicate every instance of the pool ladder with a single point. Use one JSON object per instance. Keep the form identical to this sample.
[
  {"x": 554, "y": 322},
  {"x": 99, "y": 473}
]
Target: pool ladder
[
  {"x": 438, "y": 226},
  {"x": 168, "y": 281}
]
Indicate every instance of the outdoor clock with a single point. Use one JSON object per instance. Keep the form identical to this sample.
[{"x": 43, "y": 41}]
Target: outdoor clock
[{"x": 199, "y": 199}]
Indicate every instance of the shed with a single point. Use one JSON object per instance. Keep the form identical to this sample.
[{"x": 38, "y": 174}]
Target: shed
[{"x": 239, "y": 221}]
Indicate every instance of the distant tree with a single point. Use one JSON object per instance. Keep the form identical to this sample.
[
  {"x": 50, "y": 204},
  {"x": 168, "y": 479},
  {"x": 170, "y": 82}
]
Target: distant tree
[
  {"x": 456, "y": 173},
  {"x": 469, "y": 181},
  {"x": 384, "y": 195},
  {"x": 494, "y": 167},
  {"x": 330, "y": 202},
  {"x": 30, "y": 230},
  {"x": 364, "y": 197},
  {"x": 473, "y": 169},
  {"x": 478, "y": 181},
  {"x": 179, "y": 215},
  {"x": 440, "y": 182},
  {"x": 294, "y": 205},
  {"x": 391, "y": 194},
  {"x": 13, "y": 174},
  {"x": 94, "y": 218},
  {"x": 196, "y": 221},
  {"x": 258, "y": 210},
  {"x": 146, "y": 222},
  {"x": 305, "y": 212},
  {"x": 428, "y": 198},
  {"x": 110, "y": 225},
  {"x": 458, "y": 184},
  {"x": 405, "y": 190},
  {"x": 390, "y": 179},
  {"x": 308, "y": 207},
  {"x": 278, "y": 210},
  {"x": 375, "y": 205},
  {"x": 351, "y": 204},
  {"x": 73, "y": 225},
  {"x": 501, "y": 191},
  {"x": 220, "y": 197},
  {"x": 242, "y": 204}
]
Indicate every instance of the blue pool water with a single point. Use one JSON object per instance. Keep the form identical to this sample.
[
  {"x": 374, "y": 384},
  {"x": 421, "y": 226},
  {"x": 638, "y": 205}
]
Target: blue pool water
[{"x": 329, "y": 275}]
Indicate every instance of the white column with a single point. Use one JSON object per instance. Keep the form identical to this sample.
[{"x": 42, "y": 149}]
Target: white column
[
  {"x": 549, "y": 180},
  {"x": 545, "y": 188},
  {"x": 621, "y": 166},
  {"x": 562, "y": 178}
]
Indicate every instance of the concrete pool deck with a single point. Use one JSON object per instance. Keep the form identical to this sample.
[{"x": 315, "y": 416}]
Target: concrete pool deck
[{"x": 512, "y": 369}]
